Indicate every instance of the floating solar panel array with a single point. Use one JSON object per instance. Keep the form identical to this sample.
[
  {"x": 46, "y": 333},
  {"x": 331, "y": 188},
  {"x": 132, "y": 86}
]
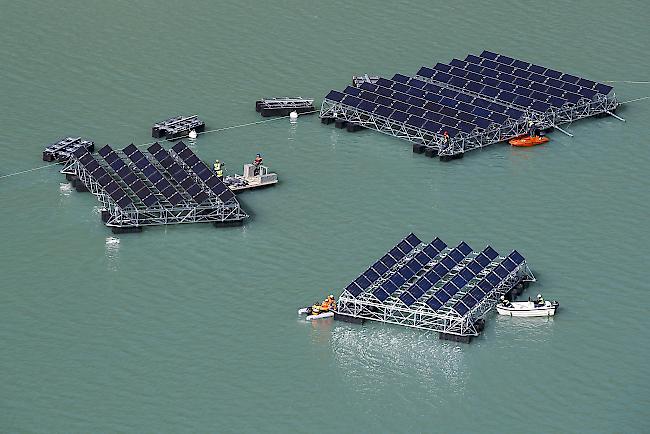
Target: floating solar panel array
[
  {"x": 432, "y": 285},
  {"x": 154, "y": 188},
  {"x": 477, "y": 101}
]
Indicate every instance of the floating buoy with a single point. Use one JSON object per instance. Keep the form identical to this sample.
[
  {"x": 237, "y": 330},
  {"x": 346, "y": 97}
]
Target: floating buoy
[
  {"x": 192, "y": 134},
  {"x": 293, "y": 115}
]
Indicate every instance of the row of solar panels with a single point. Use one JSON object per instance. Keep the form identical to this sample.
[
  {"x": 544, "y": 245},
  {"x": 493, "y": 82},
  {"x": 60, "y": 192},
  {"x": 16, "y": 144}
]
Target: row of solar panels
[
  {"x": 425, "y": 105},
  {"x": 123, "y": 181},
  {"x": 383, "y": 278},
  {"x": 512, "y": 84}
]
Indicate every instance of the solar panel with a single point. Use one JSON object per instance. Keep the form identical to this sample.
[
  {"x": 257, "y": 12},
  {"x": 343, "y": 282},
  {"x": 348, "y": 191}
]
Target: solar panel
[
  {"x": 334, "y": 95},
  {"x": 516, "y": 257}
]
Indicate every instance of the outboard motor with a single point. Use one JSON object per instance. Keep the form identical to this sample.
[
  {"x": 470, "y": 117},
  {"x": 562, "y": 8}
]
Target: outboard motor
[{"x": 555, "y": 304}]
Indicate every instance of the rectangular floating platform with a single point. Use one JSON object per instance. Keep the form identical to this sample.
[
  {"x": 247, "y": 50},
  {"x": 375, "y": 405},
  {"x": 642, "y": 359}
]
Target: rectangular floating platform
[
  {"x": 157, "y": 187},
  {"x": 478, "y": 101},
  {"x": 283, "y": 106},
  {"x": 177, "y": 127},
  {"x": 434, "y": 287},
  {"x": 62, "y": 150}
]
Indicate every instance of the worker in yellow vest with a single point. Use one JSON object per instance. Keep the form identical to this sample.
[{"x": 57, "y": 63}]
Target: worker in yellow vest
[{"x": 218, "y": 168}]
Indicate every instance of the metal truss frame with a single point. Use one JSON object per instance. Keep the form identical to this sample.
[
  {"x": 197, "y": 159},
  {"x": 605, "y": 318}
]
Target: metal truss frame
[
  {"x": 212, "y": 210},
  {"x": 444, "y": 320}
]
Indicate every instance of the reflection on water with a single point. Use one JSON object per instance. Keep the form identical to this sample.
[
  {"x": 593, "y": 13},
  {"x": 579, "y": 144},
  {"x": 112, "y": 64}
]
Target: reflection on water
[
  {"x": 293, "y": 127},
  {"x": 367, "y": 355},
  {"x": 65, "y": 189},
  {"x": 112, "y": 252}
]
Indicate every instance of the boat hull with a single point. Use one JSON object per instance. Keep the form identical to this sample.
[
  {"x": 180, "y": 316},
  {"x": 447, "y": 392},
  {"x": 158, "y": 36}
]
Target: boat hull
[
  {"x": 526, "y": 142},
  {"x": 305, "y": 310},
  {"x": 527, "y": 309}
]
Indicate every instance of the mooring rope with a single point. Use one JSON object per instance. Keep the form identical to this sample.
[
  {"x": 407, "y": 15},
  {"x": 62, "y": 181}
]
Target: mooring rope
[
  {"x": 183, "y": 137},
  {"x": 626, "y": 81}
]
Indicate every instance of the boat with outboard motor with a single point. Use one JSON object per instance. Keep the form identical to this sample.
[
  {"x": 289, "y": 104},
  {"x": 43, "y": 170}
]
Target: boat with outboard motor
[
  {"x": 312, "y": 316},
  {"x": 318, "y": 311},
  {"x": 528, "y": 308}
]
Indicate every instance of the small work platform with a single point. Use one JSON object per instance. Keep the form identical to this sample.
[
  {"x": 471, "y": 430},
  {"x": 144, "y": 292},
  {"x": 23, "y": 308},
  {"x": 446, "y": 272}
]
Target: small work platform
[
  {"x": 283, "y": 106},
  {"x": 177, "y": 127},
  {"x": 358, "y": 80},
  {"x": 61, "y": 151},
  {"x": 250, "y": 180}
]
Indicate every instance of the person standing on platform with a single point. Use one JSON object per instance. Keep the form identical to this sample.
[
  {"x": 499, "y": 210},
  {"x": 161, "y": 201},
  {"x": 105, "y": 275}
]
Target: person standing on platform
[
  {"x": 218, "y": 168},
  {"x": 257, "y": 163},
  {"x": 445, "y": 139}
]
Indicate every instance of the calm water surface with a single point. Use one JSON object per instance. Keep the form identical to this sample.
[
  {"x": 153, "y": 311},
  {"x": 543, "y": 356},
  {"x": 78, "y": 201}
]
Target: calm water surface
[{"x": 193, "y": 329}]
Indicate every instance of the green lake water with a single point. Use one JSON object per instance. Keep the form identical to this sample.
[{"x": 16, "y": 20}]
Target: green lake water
[{"x": 194, "y": 329}]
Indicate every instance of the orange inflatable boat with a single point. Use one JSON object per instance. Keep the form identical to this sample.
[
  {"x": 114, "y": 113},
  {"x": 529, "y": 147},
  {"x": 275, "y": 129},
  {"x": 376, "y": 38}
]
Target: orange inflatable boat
[{"x": 528, "y": 141}]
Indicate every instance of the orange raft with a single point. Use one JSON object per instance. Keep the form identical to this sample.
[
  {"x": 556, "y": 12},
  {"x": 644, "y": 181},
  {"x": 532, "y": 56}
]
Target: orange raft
[{"x": 528, "y": 141}]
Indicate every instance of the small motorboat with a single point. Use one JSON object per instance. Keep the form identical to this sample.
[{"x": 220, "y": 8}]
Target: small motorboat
[
  {"x": 310, "y": 316},
  {"x": 528, "y": 141},
  {"x": 528, "y": 308}
]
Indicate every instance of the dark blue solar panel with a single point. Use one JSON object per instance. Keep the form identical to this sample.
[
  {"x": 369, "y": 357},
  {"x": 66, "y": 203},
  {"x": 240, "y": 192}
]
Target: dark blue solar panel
[
  {"x": 380, "y": 294},
  {"x": 523, "y": 101},
  {"x": 352, "y": 91},
  {"x": 398, "y": 116},
  {"x": 400, "y": 105},
  {"x": 368, "y": 96},
  {"x": 540, "y": 106},
  {"x": 490, "y": 72},
  {"x": 508, "y": 264},
  {"x": 483, "y": 260},
  {"x": 483, "y": 123},
  {"x": 570, "y": 87},
  {"x": 520, "y": 64},
  {"x": 448, "y": 102},
  {"x": 516, "y": 257},
  {"x": 467, "y": 272},
  {"x": 415, "y": 92},
  {"x": 572, "y": 98},
  {"x": 448, "y": 261},
  {"x": 538, "y": 79},
  {"x": 371, "y": 275},
  {"x": 449, "y": 112},
  {"x": 380, "y": 268},
  {"x": 362, "y": 282},
  {"x": 352, "y": 101},
  {"x": 433, "y": 303},
  {"x": 384, "y": 82},
  {"x": 414, "y": 82},
  {"x": 514, "y": 113},
  {"x": 442, "y": 67},
  {"x": 474, "y": 87},
  {"x": 467, "y": 117},
  {"x": 368, "y": 86},
  {"x": 464, "y": 248},
  {"x": 400, "y": 87},
  {"x": 537, "y": 69},
  {"x": 475, "y": 267},
  {"x": 400, "y": 78},
  {"x": 407, "y": 299},
  {"x": 393, "y": 284},
  {"x": 588, "y": 93},
  {"x": 569, "y": 78},
  {"x": 485, "y": 285},
  {"x": 416, "y": 121},
  {"x": 335, "y": 96},
  {"x": 383, "y": 111},
  {"x": 505, "y": 68},
  {"x": 500, "y": 271},
  {"x": 603, "y": 88},
  {"x": 552, "y": 73},
  {"x": 523, "y": 91},
  {"x": 498, "y": 118},
  {"x": 479, "y": 111},
  {"x": 456, "y": 255},
  {"x": 459, "y": 281},
  {"x": 473, "y": 76},
  {"x": 493, "y": 278},
  {"x": 490, "y": 253},
  {"x": 426, "y": 72},
  {"x": 388, "y": 261},
  {"x": 438, "y": 244},
  {"x": 417, "y": 111},
  {"x": 367, "y": 106},
  {"x": 432, "y": 126}
]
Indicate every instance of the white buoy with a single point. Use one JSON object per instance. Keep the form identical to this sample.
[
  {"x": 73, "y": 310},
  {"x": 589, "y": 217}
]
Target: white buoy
[
  {"x": 293, "y": 115},
  {"x": 192, "y": 134}
]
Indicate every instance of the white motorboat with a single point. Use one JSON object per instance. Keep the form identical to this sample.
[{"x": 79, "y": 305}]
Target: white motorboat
[
  {"x": 311, "y": 317},
  {"x": 253, "y": 177},
  {"x": 528, "y": 308}
]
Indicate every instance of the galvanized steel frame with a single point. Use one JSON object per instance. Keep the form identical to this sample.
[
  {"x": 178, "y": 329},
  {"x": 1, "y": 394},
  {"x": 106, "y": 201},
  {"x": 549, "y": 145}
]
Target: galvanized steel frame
[
  {"x": 464, "y": 142},
  {"x": 212, "y": 210},
  {"x": 444, "y": 320}
]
